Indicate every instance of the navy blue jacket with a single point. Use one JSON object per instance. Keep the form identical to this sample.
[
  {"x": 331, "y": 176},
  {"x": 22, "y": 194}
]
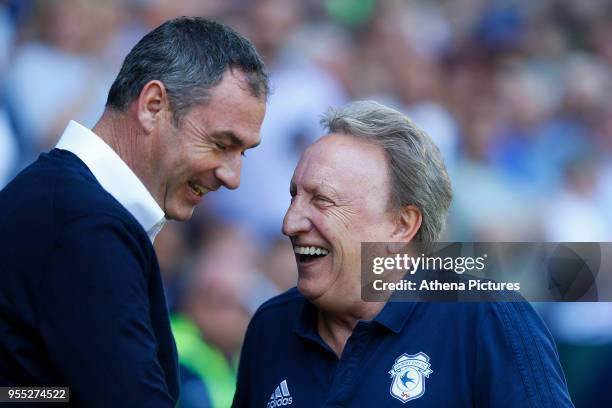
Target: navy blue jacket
[
  {"x": 412, "y": 354},
  {"x": 81, "y": 298}
]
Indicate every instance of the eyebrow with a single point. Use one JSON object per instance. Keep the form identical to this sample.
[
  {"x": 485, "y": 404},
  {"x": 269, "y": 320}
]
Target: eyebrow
[
  {"x": 322, "y": 188},
  {"x": 234, "y": 140},
  {"x": 328, "y": 190}
]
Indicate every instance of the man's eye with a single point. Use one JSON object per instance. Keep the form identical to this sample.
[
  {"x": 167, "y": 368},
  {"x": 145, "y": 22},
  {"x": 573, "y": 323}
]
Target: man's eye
[
  {"x": 323, "y": 200},
  {"x": 220, "y": 146}
]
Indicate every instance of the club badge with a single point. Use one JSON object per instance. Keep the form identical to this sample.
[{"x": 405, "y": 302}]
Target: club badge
[{"x": 408, "y": 376}]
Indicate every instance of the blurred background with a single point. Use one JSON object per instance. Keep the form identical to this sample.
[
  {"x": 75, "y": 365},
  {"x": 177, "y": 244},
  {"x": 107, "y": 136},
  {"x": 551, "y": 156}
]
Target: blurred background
[{"x": 516, "y": 93}]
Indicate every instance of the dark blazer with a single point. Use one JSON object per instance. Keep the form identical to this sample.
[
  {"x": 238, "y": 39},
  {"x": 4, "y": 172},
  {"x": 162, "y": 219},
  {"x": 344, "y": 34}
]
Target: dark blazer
[{"x": 81, "y": 298}]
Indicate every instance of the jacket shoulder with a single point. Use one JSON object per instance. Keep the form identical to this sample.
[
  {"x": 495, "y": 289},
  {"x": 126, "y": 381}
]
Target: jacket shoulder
[{"x": 55, "y": 190}]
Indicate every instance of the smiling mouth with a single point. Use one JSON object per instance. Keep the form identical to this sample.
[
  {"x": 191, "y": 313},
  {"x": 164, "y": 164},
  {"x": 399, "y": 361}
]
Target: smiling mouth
[
  {"x": 309, "y": 253},
  {"x": 197, "y": 188}
]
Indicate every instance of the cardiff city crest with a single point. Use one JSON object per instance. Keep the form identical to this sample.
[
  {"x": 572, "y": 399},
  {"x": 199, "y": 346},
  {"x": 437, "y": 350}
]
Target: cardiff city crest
[{"x": 408, "y": 375}]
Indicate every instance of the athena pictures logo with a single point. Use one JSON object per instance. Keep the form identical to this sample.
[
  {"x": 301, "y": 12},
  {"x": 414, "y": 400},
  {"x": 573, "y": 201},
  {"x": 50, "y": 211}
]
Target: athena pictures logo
[{"x": 408, "y": 376}]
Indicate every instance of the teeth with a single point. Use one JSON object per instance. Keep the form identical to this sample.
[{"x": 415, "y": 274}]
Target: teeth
[
  {"x": 198, "y": 189},
  {"x": 310, "y": 250}
]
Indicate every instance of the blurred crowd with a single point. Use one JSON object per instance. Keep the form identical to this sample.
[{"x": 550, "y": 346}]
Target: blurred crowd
[{"x": 516, "y": 93}]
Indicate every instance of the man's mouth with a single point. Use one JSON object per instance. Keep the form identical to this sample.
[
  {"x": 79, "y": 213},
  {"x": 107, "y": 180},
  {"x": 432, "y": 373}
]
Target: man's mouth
[
  {"x": 197, "y": 188},
  {"x": 309, "y": 253}
]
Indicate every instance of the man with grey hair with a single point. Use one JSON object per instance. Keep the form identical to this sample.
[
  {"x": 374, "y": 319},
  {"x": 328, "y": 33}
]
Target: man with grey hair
[
  {"x": 81, "y": 301},
  {"x": 375, "y": 177}
]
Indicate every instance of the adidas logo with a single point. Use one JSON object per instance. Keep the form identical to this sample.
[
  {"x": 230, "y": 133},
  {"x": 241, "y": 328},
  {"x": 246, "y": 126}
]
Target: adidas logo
[{"x": 280, "y": 397}]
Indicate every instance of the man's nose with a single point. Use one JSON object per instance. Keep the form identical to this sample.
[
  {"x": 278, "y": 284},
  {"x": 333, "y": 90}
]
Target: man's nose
[
  {"x": 296, "y": 220},
  {"x": 229, "y": 173}
]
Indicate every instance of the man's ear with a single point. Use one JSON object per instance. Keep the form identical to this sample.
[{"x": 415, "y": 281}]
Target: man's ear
[
  {"x": 407, "y": 224},
  {"x": 152, "y": 105}
]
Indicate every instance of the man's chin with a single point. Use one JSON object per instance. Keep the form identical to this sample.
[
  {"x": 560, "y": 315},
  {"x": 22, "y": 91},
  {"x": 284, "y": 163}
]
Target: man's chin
[
  {"x": 304, "y": 289},
  {"x": 183, "y": 214},
  {"x": 309, "y": 290}
]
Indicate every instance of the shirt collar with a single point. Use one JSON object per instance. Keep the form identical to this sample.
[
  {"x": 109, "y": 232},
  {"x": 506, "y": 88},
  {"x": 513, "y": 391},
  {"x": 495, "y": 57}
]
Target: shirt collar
[
  {"x": 305, "y": 326},
  {"x": 393, "y": 316},
  {"x": 306, "y": 323},
  {"x": 114, "y": 175}
]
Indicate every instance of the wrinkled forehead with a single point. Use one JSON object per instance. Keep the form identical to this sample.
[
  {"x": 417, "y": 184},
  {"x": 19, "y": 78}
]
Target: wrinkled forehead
[{"x": 343, "y": 161}]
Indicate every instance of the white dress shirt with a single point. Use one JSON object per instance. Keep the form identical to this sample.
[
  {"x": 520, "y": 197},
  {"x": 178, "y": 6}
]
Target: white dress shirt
[{"x": 114, "y": 175}]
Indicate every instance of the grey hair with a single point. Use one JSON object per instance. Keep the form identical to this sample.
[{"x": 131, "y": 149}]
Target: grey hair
[{"x": 417, "y": 171}]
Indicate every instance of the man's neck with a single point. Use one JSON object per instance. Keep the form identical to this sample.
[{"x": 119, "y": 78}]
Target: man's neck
[
  {"x": 121, "y": 135},
  {"x": 336, "y": 328},
  {"x": 125, "y": 136}
]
